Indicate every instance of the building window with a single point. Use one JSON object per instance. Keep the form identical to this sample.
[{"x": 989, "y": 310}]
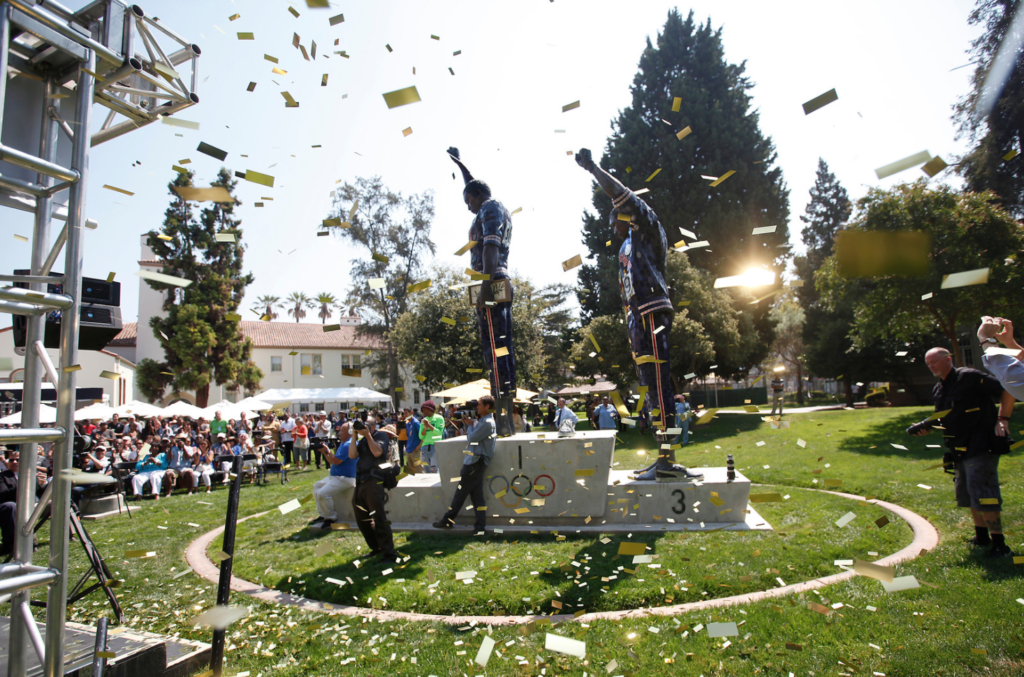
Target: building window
[
  {"x": 312, "y": 364},
  {"x": 966, "y": 352},
  {"x": 356, "y": 362},
  {"x": 275, "y": 364},
  {"x": 303, "y": 408},
  {"x": 415, "y": 396}
]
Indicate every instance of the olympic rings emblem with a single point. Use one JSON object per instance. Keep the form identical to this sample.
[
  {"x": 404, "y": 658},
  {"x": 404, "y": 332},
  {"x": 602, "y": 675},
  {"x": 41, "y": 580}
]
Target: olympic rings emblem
[{"x": 510, "y": 487}]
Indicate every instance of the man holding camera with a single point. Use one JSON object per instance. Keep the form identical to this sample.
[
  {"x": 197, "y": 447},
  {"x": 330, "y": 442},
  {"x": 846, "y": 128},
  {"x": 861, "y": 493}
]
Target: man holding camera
[
  {"x": 371, "y": 451},
  {"x": 328, "y": 492},
  {"x": 477, "y": 456},
  {"x": 975, "y": 438}
]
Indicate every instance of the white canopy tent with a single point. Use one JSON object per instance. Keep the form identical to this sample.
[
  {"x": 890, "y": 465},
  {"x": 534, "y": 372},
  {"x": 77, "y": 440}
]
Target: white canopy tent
[
  {"x": 47, "y": 414},
  {"x": 254, "y": 404},
  {"x": 138, "y": 410},
  {"x": 183, "y": 408},
  {"x": 351, "y": 395},
  {"x": 94, "y": 411}
]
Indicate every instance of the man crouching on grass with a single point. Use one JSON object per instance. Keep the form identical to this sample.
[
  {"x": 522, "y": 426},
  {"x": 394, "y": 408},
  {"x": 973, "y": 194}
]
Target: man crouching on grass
[{"x": 477, "y": 456}]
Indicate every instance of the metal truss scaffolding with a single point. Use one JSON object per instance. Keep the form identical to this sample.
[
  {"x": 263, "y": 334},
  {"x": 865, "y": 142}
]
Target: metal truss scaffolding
[{"x": 80, "y": 57}]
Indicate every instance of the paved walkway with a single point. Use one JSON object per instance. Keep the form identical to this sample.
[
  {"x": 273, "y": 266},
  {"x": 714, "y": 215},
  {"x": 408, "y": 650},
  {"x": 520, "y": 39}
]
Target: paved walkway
[
  {"x": 925, "y": 538},
  {"x": 766, "y": 410}
]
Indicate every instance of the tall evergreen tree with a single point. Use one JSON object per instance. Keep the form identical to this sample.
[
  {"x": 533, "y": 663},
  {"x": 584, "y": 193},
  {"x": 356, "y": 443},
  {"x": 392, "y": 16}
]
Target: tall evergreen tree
[
  {"x": 991, "y": 163},
  {"x": 201, "y": 345},
  {"x": 689, "y": 63},
  {"x": 827, "y": 211}
]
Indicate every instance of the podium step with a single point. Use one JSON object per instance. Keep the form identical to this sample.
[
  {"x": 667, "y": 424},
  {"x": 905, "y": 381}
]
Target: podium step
[{"x": 137, "y": 652}]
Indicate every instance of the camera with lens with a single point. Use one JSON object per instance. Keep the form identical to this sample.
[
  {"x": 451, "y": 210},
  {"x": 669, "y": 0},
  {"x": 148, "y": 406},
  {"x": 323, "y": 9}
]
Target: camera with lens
[
  {"x": 358, "y": 425},
  {"x": 918, "y": 427},
  {"x": 331, "y": 443}
]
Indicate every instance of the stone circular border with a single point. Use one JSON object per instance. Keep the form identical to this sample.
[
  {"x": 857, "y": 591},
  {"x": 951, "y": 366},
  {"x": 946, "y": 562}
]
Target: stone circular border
[{"x": 926, "y": 537}]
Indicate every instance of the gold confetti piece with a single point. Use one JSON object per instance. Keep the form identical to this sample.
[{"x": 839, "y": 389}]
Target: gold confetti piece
[
  {"x": 876, "y": 571},
  {"x": 518, "y": 209},
  {"x": 257, "y": 177},
  {"x": 20, "y": 238},
  {"x": 419, "y": 286},
  {"x": 291, "y": 505},
  {"x": 845, "y": 519},
  {"x": 222, "y": 556},
  {"x": 163, "y": 279},
  {"x": 233, "y": 317},
  {"x": 448, "y": 320},
  {"x": 656, "y": 172},
  {"x": 407, "y": 131},
  {"x": 402, "y": 97},
  {"x": 833, "y": 483},
  {"x": 627, "y": 548},
  {"x": 901, "y": 583},
  {"x": 820, "y": 101},
  {"x": 764, "y": 230},
  {"x": 570, "y": 106},
  {"x": 820, "y": 608},
  {"x": 220, "y": 617},
  {"x": 570, "y": 647},
  {"x": 881, "y": 521},
  {"x": 246, "y": 36},
  {"x": 876, "y": 253},
  {"x": 683, "y": 133},
  {"x": 676, "y": 103},
  {"x": 914, "y": 160},
  {"x": 294, "y": 12},
  {"x": 323, "y": 82},
  {"x": 584, "y": 473},
  {"x": 226, "y": 237},
  {"x": 722, "y": 178},
  {"x": 351, "y": 372},
  {"x": 118, "y": 190},
  {"x": 139, "y": 554},
  {"x": 212, "y": 151},
  {"x": 934, "y": 166},
  {"x": 519, "y": 511},
  {"x": 211, "y": 194},
  {"x": 379, "y": 257},
  {"x": 572, "y": 263},
  {"x": 335, "y": 20},
  {"x": 110, "y": 277},
  {"x": 965, "y": 279},
  {"x": 434, "y": 37},
  {"x": 937, "y": 415},
  {"x": 278, "y": 71},
  {"x": 484, "y": 653},
  {"x": 765, "y": 498},
  {"x": 250, "y": 88},
  {"x": 501, "y": 352},
  {"x": 112, "y": 375},
  {"x": 178, "y": 122},
  {"x": 233, "y": 17}
]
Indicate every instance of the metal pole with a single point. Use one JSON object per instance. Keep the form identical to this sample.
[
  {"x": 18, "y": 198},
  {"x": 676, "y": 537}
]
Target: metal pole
[
  {"x": 56, "y": 599},
  {"x": 99, "y": 662},
  {"x": 23, "y": 542},
  {"x": 224, "y": 583},
  {"x": 5, "y": 43}
]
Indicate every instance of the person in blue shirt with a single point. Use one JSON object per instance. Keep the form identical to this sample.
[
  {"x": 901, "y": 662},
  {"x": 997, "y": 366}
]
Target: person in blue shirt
[
  {"x": 606, "y": 416},
  {"x": 332, "y": 490},
  {"x": 492, "y": 233},
  {"x": 478, "y": 455},
  {"x": 151, "y": 469},
  {"x": 413, "y": 461},
  {"x": 642, "y": 262},
  {"x": 683, "y": 419}
]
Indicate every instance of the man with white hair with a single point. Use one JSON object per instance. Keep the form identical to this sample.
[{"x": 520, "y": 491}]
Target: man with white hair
[
  {"x": 332, "y": 490},
  {"x": 975, "y": 437}
]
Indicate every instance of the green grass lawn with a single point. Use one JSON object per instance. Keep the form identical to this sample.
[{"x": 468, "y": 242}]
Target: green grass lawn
[{"x": 965, "y": 621}]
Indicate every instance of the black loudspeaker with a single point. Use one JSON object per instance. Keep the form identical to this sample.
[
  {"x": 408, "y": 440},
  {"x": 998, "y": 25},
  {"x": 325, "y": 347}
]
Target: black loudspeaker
[
  {"x": 99, "y": 325},
  {"x": 100, "y": 318}
]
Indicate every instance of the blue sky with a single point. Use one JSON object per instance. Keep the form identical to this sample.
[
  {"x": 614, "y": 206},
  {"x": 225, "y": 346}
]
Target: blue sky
[{"x": 520, "y": 62}]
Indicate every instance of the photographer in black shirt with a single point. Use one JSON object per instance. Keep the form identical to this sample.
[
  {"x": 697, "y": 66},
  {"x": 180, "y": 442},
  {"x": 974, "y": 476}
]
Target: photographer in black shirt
[
  {"x": 975, "y": 437},
  {"x": 368, "y": 499}
]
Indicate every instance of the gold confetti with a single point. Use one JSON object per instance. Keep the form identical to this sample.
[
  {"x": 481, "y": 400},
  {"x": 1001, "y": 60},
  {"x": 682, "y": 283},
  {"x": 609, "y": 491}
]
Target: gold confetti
[
  {"x": 118, "y": 190},
  {"x": 402, "y": 97},
  {"x": 676, "y": 103},
  {"x": 572, "y": 263},
  {"x": 570, "y": 106},
  {"x": 820, "y": 101},
  {"x": 683, "y": 133},
  {"x": 722, "y": 178}
]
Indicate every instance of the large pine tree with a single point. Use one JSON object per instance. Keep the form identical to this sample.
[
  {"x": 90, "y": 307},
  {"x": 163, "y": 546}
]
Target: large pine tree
[
  {"x": 1001, "y": 132},
  {"x": 827, "y": 211},
  {"x": 689, "y": 63},
  {"x": 201, "y": 345}
]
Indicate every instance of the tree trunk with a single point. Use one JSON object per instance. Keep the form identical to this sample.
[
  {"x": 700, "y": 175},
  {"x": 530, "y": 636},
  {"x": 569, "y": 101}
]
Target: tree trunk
[
  {"x": 203, "y": 397},
  {"x": 848, "y": 384},
  {"x": 799, "y": 384},
  {"x": 393, "y": 375},
  {"x": 958, "y": 358}
]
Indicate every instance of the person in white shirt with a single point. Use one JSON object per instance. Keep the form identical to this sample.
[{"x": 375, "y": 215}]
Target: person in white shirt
[
  {"x": 287, "y": 442},
  {"x": 1007, "y": 368},
  {"x": 564, "y": 414}
]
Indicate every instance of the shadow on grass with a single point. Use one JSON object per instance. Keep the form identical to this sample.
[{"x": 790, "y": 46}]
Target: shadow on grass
[{"x": 877, "y": 442}]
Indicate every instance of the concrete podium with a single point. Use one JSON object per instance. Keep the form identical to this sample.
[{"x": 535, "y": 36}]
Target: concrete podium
[{"x": 541, "y": 481}]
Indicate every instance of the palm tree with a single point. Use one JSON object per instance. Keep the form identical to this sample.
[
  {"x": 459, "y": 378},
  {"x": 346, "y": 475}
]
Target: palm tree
[
  {"x": 298, "y": 302},
  {"x": 326, "y": 301},
  {"x": 266, "y": 304}
]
